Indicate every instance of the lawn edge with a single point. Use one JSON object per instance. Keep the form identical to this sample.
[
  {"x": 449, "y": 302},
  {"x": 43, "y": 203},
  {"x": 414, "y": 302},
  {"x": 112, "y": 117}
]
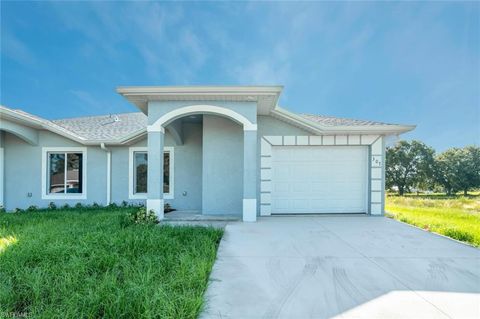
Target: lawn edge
[{"x": 432, "y": 232}]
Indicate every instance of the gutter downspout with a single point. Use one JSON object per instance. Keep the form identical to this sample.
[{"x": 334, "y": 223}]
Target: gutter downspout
[{"x": 109, "y": 172}]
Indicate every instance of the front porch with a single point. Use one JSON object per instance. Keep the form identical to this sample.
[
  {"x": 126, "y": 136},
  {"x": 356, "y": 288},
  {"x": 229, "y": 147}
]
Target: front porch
[
  {"x": 228, "y": 170},
  {"x": 196, "y": 218}
]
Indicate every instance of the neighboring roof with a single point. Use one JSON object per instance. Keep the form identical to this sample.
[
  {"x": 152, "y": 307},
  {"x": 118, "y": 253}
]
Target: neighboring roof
[
  {"x": 265, "y": 96},
  {"x": 105, "y": 127}
]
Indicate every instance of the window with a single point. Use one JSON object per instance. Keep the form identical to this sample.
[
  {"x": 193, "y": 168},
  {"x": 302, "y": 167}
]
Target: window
[
  {"x": 138, "y": 172},
  {"x": 140, "y": 176},
  {"x": 63, "y": 173}
]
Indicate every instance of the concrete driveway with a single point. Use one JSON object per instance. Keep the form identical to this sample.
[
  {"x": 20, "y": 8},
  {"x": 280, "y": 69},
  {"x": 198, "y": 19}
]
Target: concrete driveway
[{"x": 341, "y": 267}]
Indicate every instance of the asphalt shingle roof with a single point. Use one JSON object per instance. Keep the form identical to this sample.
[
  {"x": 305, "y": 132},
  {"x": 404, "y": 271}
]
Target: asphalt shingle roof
[
  {"x": 117, "y": 126},
  {"x": 337, "y": 121},
  {"x": 105, "y": 127}
]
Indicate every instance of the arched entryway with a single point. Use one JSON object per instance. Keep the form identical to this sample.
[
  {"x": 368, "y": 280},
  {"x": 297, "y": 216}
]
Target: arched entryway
[{"x": 156, "y": 135}]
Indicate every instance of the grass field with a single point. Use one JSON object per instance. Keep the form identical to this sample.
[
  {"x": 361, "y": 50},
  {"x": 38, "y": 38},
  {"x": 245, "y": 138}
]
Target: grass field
[
  {"x": 82, "y": 264},
  {"x": 457, "y": 217}
]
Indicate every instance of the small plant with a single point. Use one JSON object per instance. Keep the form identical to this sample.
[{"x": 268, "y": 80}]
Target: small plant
[
  {"x": 52, "y": 206},
  {"x": 78, "y": 206},
  {"x": 2, "y": 209},
  {"x": 140, "y": 217},
  {"x": 66, "y": 206},
  {"x": 112, "y": 206},
  {"x": 18, "y": 210},
  {"x": 95, "y": 205},
  {"x": 32, "y": 208},
  {"x": 167, "y": 208},
  {"x": 124, "y": 203}
]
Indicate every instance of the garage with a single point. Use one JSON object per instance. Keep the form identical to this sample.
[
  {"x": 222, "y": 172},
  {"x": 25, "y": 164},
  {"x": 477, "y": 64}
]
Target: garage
[{"x": 319, "y": 179}]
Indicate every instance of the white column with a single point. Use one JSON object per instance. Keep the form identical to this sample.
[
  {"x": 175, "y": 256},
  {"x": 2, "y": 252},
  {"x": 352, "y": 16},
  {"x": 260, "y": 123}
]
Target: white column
[
  {"x": 155, "y": 172},
  {"x": 249, "y": 175}
]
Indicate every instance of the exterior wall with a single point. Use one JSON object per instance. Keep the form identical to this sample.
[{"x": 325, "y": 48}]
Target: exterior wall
[
  {"x": 208, "y": 167},
  {"x": 23, "y": 171},
  {"x": 377, "y": 177},
  {"x": 23, "y": 159},
  {"x": 187, "y": 170},
  {"x": 222, "y": 166}
]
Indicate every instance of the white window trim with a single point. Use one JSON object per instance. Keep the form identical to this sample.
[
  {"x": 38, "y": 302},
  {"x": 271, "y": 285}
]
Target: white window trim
[
  {"x": 67, "y": 196},
  {"x": 131, "y": 193}
]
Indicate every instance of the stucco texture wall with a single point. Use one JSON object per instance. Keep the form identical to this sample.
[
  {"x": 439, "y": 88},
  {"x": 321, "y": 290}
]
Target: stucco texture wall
[{"x": 23, "y": 171}]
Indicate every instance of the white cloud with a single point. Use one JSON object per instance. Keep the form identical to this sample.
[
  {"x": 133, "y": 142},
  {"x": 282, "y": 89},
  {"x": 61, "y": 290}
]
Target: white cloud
[{"x": 14, "y": 48}]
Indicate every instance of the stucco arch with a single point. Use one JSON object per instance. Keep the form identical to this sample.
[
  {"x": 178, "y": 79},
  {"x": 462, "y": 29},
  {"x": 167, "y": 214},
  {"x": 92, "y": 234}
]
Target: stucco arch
[
  {"x": 167, "y": 118},
  {"x": 25, "y": 133}
]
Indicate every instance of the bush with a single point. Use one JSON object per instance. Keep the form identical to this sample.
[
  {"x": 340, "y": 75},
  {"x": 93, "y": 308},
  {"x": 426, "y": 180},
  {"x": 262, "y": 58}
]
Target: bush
[
  {"x": 95, "y": 205},
  {"x": 32, "y": 208},
  {"x": 140, "y": 217},
  {"x": 52, "y": 206},
  {"x": 2, "y": 209},
  {"x": 78, "y": 206},
  {"x": 18, "y": 210},
  {"x": 112, "y": 206},
  {"x": 124, "y": 203},
  {"x": 66, "y": 206}
]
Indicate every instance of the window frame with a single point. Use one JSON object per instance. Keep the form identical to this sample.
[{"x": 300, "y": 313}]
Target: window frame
[
  {"x": 131, "y": 173},
  {"x": 46, "y": 169}
]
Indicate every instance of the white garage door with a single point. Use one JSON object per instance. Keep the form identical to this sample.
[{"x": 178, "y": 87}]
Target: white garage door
[{"x": 319, "y": 179}]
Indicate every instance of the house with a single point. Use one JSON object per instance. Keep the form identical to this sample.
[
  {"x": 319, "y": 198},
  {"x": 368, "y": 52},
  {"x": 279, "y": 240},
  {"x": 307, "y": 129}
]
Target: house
[{"x": 217, "y": 150}]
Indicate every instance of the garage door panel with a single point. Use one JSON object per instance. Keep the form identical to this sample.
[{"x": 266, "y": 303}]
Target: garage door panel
[{"x": 319, "y": 179}]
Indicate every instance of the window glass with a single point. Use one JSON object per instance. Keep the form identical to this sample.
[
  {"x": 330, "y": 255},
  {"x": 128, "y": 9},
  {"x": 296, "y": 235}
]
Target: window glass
[
  {"x": 57, "y": 173},
  {"x": 65, "y": 163},
  {"x": 140, "y": 172},
  {"x": 166, "y": 172},
  {"x": 74, "y": 173},
  {"x": 140, "y": 179}
]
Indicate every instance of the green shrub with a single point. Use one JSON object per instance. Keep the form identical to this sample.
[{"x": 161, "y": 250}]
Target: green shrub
[
  {"x": 18, "y": 210},
  {"x": 78, "y": 206},
  {"x": 124, "y": 203},
  {"x": 2, "y": 209},
  {"x": 459, "y": 235},
  {"x": 32, "y": 208},
  {"x": 52, "y": 206},
  {"x": 66, "y": 206},
  {"x": 140, "y": 217},
  {"x": 112, "y": 206}
]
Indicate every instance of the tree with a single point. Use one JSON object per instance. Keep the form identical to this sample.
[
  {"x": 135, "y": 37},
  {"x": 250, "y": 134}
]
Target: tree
[
  {"x": 458, "y": 169},
  {"x": 409, "y": 164}
]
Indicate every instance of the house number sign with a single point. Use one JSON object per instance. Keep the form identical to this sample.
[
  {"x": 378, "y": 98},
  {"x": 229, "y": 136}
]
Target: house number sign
[{"x": 376, "y": 161}]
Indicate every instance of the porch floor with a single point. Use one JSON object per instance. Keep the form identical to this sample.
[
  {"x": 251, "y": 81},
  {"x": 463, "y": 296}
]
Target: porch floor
[{"x": 196, "y": 218}]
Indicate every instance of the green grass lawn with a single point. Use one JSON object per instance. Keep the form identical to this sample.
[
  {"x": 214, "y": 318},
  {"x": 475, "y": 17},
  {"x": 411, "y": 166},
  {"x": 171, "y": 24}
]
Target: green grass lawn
[
  {"x": 83, "y": 264},
  {"x": 457, "y": 217}
]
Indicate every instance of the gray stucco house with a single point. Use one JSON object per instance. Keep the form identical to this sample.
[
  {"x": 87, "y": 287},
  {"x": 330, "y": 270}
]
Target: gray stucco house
[{"x": 216, "y": 150}]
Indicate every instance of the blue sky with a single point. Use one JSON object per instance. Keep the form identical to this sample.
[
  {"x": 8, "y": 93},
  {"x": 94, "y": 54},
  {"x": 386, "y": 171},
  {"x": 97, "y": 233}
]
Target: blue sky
[{"x": 410, "y": 63}]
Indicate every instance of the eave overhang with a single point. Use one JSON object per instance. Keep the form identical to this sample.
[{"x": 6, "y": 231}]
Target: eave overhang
[
  {"x": 266, "y": 97},
  {"x": 317, "y": 128}
]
